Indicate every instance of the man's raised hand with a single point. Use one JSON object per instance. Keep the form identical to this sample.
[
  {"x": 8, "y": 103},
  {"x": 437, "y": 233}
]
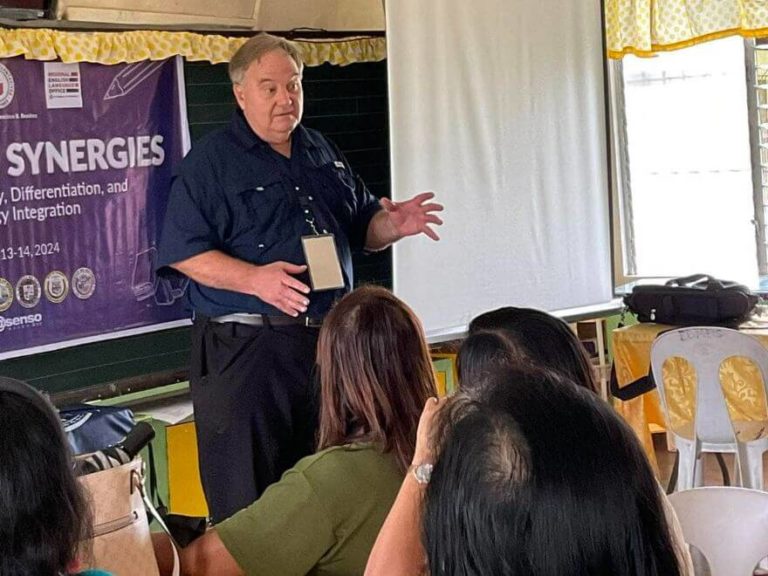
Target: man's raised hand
[{"x": 414, "y": 216}]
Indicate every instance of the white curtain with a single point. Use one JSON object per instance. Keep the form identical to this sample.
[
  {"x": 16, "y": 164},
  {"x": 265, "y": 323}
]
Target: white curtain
[{"x": 498, "y": 107}]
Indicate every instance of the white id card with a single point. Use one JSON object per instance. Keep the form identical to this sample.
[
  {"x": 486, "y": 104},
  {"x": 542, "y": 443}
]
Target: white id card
[{"x": 323, "y": 262}]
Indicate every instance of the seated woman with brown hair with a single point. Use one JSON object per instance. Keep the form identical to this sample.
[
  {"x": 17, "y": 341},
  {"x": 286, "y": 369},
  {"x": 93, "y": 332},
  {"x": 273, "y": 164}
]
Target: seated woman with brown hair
[{"x": 323, "y": 516}]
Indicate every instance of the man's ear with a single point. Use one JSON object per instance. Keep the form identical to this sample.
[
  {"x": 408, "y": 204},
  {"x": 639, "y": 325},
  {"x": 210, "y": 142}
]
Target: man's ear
[{"x": 239, "y": 95}]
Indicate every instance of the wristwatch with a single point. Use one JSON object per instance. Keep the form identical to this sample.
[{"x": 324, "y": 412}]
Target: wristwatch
[{"x": 422, "y": 472}]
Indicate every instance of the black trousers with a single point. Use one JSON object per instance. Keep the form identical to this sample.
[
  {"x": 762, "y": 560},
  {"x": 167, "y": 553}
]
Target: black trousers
[{"x": 255, "y": 402}]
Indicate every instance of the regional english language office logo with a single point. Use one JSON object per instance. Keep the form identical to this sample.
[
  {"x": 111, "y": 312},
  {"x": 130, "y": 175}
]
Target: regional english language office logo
[{"x": 7, "y": 86}]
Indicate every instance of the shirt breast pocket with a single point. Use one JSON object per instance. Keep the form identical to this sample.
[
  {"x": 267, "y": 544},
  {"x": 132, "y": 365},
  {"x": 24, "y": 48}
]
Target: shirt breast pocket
[
  {"x": 337, "y": 176},
  {"x": 265, "y": 208},
  {"x": 338, "y": 189}
]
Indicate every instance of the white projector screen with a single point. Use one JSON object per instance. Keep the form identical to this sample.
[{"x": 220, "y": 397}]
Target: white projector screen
[{"x": 498, "y": 107}]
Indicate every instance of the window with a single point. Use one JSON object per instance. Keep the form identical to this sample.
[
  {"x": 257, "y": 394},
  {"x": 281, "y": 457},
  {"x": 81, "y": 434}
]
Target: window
[
  {"x": 758, "y": 77},
  {"x": 691, "y": 136}
]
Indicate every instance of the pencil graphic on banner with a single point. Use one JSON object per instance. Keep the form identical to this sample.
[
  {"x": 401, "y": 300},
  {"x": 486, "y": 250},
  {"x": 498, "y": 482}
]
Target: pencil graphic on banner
[{"x": 130, "y": 77}]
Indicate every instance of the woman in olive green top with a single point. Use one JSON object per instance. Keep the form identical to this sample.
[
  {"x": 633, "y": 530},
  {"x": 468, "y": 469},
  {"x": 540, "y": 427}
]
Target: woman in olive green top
[{"x": 323, "y": 516}]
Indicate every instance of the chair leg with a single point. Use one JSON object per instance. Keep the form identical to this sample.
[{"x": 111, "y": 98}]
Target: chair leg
[
  {"x": 672, "y": 483},
  {"x": 723, "y": 469},
  {"x": 698, "y": 473},
  {"x": 738, "y": 480},
  {"x": 686, "y": 472},
  {"x": 750, "y": 463}
]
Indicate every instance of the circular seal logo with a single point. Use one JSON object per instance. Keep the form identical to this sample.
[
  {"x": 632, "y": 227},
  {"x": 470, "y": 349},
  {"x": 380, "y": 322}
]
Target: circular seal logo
[
  {"x": 7, "y": 86},
  {"x": 6, "y": 294},
  {"x": 28, "y": 291},
  {"x": 83, "y": 283},
  {"x": 56, "y": 286}
]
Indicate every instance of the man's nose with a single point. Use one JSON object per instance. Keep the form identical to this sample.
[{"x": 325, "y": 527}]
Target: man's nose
[{"x": 284, "y": 97}]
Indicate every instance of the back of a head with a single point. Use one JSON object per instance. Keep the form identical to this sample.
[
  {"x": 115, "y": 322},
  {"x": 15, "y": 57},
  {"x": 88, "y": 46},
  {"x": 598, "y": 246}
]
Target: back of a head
[
  {"x": 538, "y": 339},
  {"x": 543, "y": 478},
  {"x": 43, "y": 513},
  {"x": 482, "y": 354},
  {"x": 375, "y": 373}
]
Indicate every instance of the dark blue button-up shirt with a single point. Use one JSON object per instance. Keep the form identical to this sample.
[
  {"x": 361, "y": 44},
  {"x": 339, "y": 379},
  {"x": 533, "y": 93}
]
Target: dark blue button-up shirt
[{"x": 235, "y": 194}]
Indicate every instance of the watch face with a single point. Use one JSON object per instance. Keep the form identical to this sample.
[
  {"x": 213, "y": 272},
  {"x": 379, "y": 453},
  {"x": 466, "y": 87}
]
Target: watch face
[{"x": 423, "y": 473}]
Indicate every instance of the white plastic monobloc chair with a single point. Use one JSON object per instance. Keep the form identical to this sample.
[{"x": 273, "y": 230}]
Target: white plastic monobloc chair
[
  {"x": 706, "y": 348},
  {"x": 728, "y": 525}
]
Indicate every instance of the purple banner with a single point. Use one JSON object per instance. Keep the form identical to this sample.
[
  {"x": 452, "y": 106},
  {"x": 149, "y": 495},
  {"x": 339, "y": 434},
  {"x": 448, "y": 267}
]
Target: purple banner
[{"x": 87, "y": 156}]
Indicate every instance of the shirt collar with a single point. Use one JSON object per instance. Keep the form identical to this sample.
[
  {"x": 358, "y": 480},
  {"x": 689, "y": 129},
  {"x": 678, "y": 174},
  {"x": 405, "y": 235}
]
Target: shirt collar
[
  {"x": 244, "y": 132},
  {"x": 250, "y": 139}
]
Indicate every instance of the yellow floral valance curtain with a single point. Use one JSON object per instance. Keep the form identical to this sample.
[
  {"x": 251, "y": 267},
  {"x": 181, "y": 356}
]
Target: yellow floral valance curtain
[
  {"x": 116, "y": 47},
  {"x": 644, "y": 27}
]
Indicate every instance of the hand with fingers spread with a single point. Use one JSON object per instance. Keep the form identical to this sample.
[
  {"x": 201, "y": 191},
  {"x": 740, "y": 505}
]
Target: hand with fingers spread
[
  {"x": 400, "y": 219},
  {"x": 413, "y": 216},
  {"x": 275, "y": 285}
]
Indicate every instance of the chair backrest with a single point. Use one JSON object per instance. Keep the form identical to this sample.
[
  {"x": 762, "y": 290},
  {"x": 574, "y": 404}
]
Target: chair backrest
[
  {"x": 706, "y": 348},
  {"x": 728, "y": 525}
]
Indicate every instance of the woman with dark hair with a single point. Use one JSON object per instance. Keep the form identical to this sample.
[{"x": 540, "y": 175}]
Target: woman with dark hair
[
  {"x": 539, "y": 477},
  {"x": 323, "y": 516},
  {"x": 560, "y": 485},
  {"x": 498, "y": 339},
  {"x": 44, "y": 516},
  {"x": 512, "y": 336}
]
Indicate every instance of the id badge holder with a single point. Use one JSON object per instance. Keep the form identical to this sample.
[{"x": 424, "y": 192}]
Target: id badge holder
[{"x": 322, "y": 262}]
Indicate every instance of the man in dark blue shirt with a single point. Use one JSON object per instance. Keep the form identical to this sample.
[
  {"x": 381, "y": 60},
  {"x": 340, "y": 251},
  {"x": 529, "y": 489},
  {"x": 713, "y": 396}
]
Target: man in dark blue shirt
[{"x": 243, "y": 200}]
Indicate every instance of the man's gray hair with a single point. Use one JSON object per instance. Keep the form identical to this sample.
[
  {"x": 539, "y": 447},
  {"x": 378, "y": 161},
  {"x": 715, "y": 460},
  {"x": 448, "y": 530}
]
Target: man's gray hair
[{"x": 256, "y": 47}]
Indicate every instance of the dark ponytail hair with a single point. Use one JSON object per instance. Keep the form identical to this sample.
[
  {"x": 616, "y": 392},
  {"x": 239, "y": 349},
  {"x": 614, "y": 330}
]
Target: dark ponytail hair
[
  {"x": 43, "y": 512},
  {"x": 520, "y": 337},
  {"x": 542, "y": 478}
]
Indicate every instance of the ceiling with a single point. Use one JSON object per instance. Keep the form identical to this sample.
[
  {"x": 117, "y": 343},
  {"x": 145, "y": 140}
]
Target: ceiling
[{"x": 271, "y": 15}]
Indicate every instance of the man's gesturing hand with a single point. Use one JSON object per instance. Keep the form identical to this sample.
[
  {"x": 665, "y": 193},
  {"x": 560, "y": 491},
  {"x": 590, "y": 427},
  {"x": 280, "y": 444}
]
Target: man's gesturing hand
[
  {"x": 274, "y": 285},
  {"x": 414, "y": 216}
]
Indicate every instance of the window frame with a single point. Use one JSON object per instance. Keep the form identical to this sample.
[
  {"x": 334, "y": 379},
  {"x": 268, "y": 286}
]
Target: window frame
[{"x": 625, "y": 264}]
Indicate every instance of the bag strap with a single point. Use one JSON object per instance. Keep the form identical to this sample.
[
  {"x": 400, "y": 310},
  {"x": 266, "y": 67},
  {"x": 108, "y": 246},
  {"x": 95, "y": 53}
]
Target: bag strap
[
  {"x": 632, "y": 390},
  {"x": 636, "y": 388},
  {"x": 154, "y": 493},
  {"x": 156, "y": 515},
  {"x": 712, "y": 282}
]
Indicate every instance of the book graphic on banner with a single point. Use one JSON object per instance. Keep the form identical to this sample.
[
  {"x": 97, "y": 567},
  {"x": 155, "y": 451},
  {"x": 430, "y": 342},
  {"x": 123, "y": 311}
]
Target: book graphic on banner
[
  {"x": 146, "y": 283},
  {"x": 130, "y": 77},
  {"x": 144, "y": 277}
]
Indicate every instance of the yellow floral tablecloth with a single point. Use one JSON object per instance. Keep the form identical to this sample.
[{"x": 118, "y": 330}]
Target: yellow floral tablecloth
[{"x": 740, "y": 378}]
